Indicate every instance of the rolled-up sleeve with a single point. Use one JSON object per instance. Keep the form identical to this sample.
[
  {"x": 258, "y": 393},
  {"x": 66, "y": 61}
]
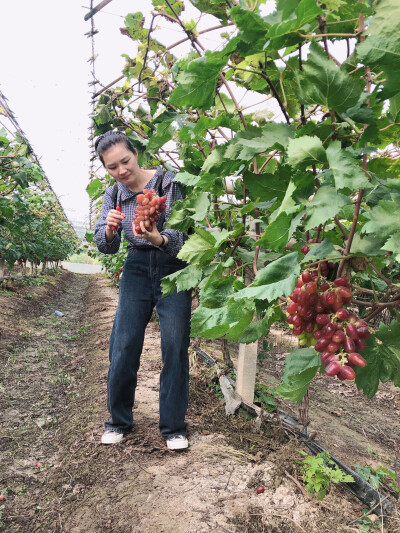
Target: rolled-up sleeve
[
  {"x": 176, "y": 238},
  {"x": 100, "y": 228}
]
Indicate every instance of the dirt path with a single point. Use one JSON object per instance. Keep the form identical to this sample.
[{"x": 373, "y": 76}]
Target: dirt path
[{"x": 58, "y": 478}]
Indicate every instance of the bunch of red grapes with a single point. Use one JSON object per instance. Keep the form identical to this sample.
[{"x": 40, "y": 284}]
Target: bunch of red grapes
[
  {"x": 317, "y": 313},
  {"x": 149, "y": 206}
]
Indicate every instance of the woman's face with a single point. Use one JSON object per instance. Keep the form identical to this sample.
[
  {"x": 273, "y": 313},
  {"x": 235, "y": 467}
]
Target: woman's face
[{"x": 121, "y": 164}]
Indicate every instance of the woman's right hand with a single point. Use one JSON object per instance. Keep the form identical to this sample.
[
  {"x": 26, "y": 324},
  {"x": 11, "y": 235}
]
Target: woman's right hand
[{"x": 113, "y": 220}]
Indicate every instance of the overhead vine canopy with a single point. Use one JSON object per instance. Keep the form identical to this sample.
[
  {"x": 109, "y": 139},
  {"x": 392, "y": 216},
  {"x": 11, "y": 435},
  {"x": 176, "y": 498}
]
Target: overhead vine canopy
[{"x": 315, "y": 162}]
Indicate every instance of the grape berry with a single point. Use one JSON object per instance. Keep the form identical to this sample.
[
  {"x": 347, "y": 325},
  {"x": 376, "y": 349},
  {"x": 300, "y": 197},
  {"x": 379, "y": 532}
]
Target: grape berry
[
  {"x": 148, "y": 208},
  {"x": 316, "y": 312}
]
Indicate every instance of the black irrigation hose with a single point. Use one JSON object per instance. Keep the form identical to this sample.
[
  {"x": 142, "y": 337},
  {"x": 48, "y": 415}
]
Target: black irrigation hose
[{"x": 363, "y": 490}]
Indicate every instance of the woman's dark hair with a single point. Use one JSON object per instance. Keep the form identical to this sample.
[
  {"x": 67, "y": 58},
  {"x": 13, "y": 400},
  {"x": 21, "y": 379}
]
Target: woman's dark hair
[{"x": 105, "y": 141}]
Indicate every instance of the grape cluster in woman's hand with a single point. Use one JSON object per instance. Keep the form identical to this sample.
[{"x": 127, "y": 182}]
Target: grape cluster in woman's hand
[{"x": 149, "y": 206}]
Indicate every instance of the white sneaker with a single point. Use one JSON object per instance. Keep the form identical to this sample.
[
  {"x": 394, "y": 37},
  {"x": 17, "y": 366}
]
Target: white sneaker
[
  {"x": 177, "y": 442},
  {"x": 111, "y": 437}
]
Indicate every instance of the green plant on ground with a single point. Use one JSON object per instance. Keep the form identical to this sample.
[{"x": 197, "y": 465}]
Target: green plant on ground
[
  {"x": 319, "y": 472},
  {"x": 63, "y": 378},
  {"x": 215, "y": 387},
  {"x": 379, "y": 477},
  {"x": 264, "y": 396},
  {"x": 83, "y": 329},
  {"x": 365, "y": 523}
]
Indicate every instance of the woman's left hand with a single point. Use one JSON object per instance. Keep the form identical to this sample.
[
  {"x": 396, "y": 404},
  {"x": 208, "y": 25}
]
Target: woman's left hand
[{"x": 152, "y": 236}]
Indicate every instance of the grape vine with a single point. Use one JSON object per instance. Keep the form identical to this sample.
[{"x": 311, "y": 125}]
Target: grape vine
[
  {"x": 302, "y": 179},
  {"x": 33, "y": 224}
]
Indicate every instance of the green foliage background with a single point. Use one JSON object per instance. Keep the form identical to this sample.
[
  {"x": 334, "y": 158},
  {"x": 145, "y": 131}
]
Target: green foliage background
[
  {"x": 323, "y": 162},
  {"x": 33, "y": 225}
]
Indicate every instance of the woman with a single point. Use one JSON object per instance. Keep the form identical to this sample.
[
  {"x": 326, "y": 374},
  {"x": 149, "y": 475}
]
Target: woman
[{"x": 151, "y": 256}]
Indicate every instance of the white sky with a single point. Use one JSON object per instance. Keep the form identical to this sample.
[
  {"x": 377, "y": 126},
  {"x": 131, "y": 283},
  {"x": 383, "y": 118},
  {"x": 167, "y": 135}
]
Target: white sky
[{"x": 44, "y": 73}]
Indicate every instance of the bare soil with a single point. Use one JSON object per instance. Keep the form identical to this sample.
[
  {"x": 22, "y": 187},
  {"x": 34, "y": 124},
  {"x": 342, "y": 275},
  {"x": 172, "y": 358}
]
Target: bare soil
[{"x": 56, "y": 476}]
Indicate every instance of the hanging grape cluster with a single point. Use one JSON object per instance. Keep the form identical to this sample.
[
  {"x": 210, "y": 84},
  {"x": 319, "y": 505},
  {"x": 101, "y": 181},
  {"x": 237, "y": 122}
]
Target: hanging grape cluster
[{"x": 317, "y": 313}]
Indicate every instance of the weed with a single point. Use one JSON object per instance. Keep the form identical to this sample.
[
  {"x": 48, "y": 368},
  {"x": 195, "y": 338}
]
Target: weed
[
  {"x": 215, "y": 387},
  {"x": 379, "y": 477},
  {"x": 21, "y": 489},
  {"x": 320, "y": 472},
  {"x": 63, "y": 378},
  {"x": 365, "y": 523},
  {"x": 48, "y": 321},
  {"x": 12, "y": 355},
  {"x": 83, "y": 329},
  {"x": 264, "y": 397},
  {"x": 70, "y": 337},
  {"x": 36, "y": 282}
]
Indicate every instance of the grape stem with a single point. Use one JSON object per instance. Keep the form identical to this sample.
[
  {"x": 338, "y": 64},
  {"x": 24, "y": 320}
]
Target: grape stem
[
  {"x": 352, "y": 231},
  {"x": 378, "y": 272},
  {"x": 341, "y": 227},
  {"x": 330, "y": 259}
]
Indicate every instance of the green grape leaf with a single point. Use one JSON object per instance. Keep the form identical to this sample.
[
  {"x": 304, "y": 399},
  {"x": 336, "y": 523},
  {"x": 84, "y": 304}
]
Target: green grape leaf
[
  {"x": 267, "y": 187},
  {"x": 191, "y": 208},
  {"x": 305, "y": 151},
  {"x": 276, "y": 279},
  {"x": 322, "y": 250},
  {"x": 383, "y": 359},
  {"x": 393, "y": 245},
  {"x": 163, "y": 134},
  {"x": 252, "y": 27},
  {"x": 306, "y": 12},
  {"x": 295, "y": 388},
  {"x": 394, "y": 109},
  {"x": 218, "y": 291},
  {"x": 255, "y": 328},
  {"x": 300, "y": 369},
  {"x": 385, "y": 21},
  {"x": 278, "y": 232},
  {"x": 214, "y": 323},
  {"x": 324, "y": 83},
  {"x": 347, "y": 172},
  {"x": 199, "y": 248},
  {"x": 300, "y": 360},
  {"x": 186, "y": 178},
  {"x": 95, "y": 188},
  {"x": 89, "y": 236},
  {"x": 326, "y": 204},
  {"x": 382, "y": 54},
  {"x": 197, "y": 84},
  {"x": 213, "y": 7},
  {"x": 367, "y": 245},
  {"x": 182, "y": 280},
  {"x": 255, "y": 140},
  {"x": 383, "y": 218}
]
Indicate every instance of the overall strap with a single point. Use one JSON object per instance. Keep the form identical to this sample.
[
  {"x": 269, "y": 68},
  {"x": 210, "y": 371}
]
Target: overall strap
[{"x": 159, "y": 182}]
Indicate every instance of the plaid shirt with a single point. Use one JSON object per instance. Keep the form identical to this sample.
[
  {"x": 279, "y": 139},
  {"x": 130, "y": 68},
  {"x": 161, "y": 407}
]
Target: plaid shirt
[{"x": 175, "y": 238}]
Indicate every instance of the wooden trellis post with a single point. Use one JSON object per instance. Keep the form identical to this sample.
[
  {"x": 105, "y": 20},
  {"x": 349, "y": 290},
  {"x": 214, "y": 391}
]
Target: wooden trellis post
[
  {"x": 246, "y": 371},
  {"x": 247, "y": 358},
  {"x": 247, "y": 361}
]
